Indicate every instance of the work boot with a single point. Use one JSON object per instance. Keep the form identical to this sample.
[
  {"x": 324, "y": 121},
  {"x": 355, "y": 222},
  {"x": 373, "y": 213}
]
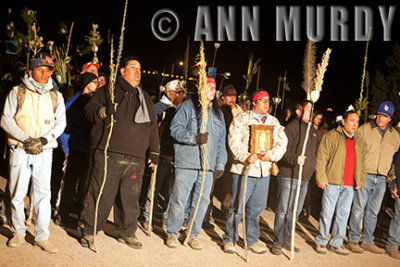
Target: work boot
[
  {"x": 276, "y": 251},
  {"x": 131, "y": 241},
  {"x": 320, "y": 249},
  {"x": 47, "y": 246},
  {"x": 393, "y": 252},
  {"x": 372, "y": 248},
  {"x": 172, "y": 242},
  {"x": 289, "y": 248},
  {"x": 16, "y": 241},
  {"x": 195, "y": 244},
  {"x": 355, "y": 248},
  {"x": 339, "y": 250},
  {"x": 87, "y": 241},
  {"x": 229, "y": 248},
  {"x": 258, "y": 248}
]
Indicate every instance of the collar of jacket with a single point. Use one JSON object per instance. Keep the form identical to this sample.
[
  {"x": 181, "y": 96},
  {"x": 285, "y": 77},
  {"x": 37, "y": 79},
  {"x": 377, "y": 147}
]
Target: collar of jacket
[
  {"x": 125, "y": 85},
  {"x": 258, "y": 116},
  {"x": 388, "y": 127}
]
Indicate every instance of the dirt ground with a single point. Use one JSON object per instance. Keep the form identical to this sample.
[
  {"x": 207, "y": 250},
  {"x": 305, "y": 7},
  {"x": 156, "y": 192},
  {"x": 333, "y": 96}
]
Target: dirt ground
[{"x": 156, "y": 253}]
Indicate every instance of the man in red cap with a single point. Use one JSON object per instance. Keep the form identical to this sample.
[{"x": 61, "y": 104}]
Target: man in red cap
[
  {"x": 258, "y": 166},
  {"x": 91, "y": 67},
  {"x": 185, "y": 129}
]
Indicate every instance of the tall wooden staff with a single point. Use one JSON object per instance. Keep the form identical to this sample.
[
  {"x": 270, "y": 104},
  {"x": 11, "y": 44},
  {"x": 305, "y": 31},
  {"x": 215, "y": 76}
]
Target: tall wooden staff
[
  {"x": 246, "y": 175},
  {"x": 113, "y": 77},
  {"x": 204, "y": 116},
  {"x": 153, "y": 185},
  {"x": 314, "y": 96}
]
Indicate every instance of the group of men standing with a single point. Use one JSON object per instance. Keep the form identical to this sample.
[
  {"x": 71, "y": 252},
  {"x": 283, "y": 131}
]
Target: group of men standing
[{"x": 351, "y": 164}]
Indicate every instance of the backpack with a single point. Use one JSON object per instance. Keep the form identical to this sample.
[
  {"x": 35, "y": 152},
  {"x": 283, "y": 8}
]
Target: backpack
[{"x": 21, "y": 97}]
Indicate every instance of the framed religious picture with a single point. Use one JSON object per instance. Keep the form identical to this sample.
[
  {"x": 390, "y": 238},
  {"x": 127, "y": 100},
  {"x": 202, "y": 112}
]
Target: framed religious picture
[{"x": 261, "y": 138}]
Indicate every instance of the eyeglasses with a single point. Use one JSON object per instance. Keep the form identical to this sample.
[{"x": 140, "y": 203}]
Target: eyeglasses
[{"x": 263, "y": 100}]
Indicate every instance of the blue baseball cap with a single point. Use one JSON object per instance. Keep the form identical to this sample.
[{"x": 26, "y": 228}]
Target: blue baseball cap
[
  {"x": 37, "y": 62},
  {"x": 386, "y": 108}
]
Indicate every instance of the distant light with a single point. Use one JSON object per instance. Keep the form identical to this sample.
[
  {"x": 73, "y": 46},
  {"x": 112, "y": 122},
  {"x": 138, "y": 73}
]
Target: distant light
[{"x": 180, "y": 63}]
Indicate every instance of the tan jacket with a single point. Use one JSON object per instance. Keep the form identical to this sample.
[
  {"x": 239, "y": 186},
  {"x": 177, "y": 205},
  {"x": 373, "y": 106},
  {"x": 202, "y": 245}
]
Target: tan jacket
[
  {"x": 331, "y": 158},
  {"x": 238, "y": 140},
  {"x": 35, "y": 117},
  {"x": 379, "y": 150}
]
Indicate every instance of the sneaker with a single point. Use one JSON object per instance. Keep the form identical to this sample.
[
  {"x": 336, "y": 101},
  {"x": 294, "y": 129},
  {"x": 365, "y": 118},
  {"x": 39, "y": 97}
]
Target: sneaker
[
  {"x": 16, "y": 241},
  {"x": 372, "y": 248},
  {"x": 339, "y": 250},
  {"x": 229, "y": 248},
  {"x": 320, "y": 249},
  {"x": 195, "y": 244},
  {"x": 46, "y": 246},
  {"x": 289, "y": 248},
  {"x": 276, "y": 251},
  {"x": 87, "y": 241},
  {"x": 172, "y": 242},
  {"x": 393, "y": 252},
  {"x": 258, "y": 248},
  {"x": 355, "y": 248},
  {"x": 131, "y": 241}
]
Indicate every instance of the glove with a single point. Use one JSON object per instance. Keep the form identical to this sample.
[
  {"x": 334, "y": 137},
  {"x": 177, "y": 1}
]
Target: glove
[
  {"x": 34, "y": 146},
  {"x": 201, "y": 138},
  {"x": 154, "y": 158},
  {"x": 218, "y": 174},
  {"x": 111, "y": 108}
]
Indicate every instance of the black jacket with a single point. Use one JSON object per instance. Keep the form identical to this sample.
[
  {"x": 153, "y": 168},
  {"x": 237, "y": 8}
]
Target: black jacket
[
  {"x": 128, "y": 137},
  {"x": 296, "y": 132}
]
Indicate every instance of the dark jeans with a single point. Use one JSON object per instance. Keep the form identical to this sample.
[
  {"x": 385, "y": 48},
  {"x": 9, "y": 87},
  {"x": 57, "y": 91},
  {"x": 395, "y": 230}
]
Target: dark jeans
[
  {"x": 77, "y": 172},
  {"x": 122, "y": 187}
]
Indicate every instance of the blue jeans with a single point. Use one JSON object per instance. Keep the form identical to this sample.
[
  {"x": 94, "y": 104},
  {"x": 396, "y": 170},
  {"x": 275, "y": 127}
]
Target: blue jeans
[
  {"x": 367, "y": 204},
  {"x": 394, "y": 228},
  {"x": 187, "y": 180},
  {"x": 336, "y": 199},
  {"x": 256, "y": 202},
  {"x": 23, "y": 168},
  {"x": 287, "y": 188}
]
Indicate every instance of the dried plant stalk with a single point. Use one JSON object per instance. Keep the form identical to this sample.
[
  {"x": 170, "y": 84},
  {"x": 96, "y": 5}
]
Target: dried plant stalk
[
  {"x": 319, "y": 75},
  {"x": 309, "y": 67}
]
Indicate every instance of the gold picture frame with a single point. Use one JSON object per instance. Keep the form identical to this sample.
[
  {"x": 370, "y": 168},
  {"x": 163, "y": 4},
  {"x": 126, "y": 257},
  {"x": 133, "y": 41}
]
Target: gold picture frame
[{"x": 261, "y": 138}]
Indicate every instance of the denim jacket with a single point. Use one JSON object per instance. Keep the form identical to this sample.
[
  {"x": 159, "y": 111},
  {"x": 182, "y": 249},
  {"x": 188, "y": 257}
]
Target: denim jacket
[{"x": 184, "y": 128}]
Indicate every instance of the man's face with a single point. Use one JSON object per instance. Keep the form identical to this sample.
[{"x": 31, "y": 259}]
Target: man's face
[
  {"x": 210, "y": 92},
  {"x": 102, "y": 81},
  {"x": 41, "y": 74},
  {"x": 382, "y": 121},
  {"x": 229, "y": 100},
  {"x": 176, "y": 97},
  {"x": 306, "y": 111},
  {"x": 261, "y": 106},
  {"x": 132, "y": 72},
  {"x": 93, "y": 86},
  {"x": 350, "y": 124}
]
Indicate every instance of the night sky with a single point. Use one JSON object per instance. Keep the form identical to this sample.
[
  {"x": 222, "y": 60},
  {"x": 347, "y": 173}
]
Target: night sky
[{"x": 342, "y": 79}]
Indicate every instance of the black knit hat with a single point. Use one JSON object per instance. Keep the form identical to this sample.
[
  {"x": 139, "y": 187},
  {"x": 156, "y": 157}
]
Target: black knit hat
[{"x": 86, "y": 78}]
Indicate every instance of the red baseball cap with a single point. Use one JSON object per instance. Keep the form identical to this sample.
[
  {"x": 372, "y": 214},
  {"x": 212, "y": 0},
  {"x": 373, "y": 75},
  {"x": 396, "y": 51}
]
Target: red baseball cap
[
  {"x": 211, "y": 80},
  {"x": 260, "y": 95},
  {"x": 87, "y": 65}
]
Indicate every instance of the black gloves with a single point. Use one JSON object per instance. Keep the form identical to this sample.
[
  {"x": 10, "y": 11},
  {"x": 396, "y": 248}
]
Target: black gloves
[
  {"x": 201, "y": 138},
  {"x": 154, "y": 158},
  {"x": 34, "y": 146},
  {"x": 218, "y": 174},
  {"x": 111, "y": 108}
]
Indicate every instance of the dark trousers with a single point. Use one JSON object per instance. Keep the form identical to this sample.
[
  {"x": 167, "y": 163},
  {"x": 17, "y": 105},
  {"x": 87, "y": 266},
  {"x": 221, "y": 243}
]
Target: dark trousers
[
  {"x": 122, "y": 187},
  {"x": 76, "y": 182}
]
